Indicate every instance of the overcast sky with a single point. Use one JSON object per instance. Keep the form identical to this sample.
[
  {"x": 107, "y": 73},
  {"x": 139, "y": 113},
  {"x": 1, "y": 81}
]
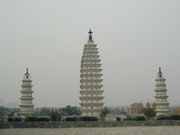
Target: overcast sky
[{"x": 134, "y": 37}]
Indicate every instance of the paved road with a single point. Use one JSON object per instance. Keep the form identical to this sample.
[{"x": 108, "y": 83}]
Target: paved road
[{"x": 174, "y": 130}]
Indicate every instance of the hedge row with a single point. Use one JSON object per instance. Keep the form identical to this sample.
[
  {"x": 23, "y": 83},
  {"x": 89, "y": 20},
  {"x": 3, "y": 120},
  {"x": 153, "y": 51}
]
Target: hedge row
[
  {"x": 81, "y": 119},
  {"x": 46, "y": 119},
  {"x": 173, "y": 117},
  {"x": 138, "y": 118}
]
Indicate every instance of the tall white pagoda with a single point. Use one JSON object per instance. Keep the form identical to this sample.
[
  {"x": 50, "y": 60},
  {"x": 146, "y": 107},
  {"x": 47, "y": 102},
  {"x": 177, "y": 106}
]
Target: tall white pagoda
[
  {"x": 26, "y": 97},
  {"x": 162, "y": 106},
  {"x": 91, "y": 79}
]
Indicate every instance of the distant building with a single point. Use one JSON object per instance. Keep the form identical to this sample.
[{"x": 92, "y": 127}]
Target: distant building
[
  {"x": 26, "y": 96},
  {"x": 123, "y": 109},
  {"x": 148, "y": 105},
  {"x": 162, "y": 106},
  {"x": 91, "y": 87},
  {"x": 136, "y": 108},
  {"x": 175, "y": 111}
]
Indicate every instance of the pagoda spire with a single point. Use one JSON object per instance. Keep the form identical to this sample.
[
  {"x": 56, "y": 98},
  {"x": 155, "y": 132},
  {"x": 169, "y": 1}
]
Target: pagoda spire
[
  {"x": 90, "y": 35},
  {"x": 160, "y": 73},
  {"x": 27, "y": 74},
  {"x": 27, "y": 70}
]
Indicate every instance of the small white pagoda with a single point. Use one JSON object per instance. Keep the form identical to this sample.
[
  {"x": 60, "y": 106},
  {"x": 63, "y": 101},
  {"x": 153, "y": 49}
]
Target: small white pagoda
[
  {"x": 162, "y": 106},
  {"x": 26, "y": 97},
  {"x": 91, "y": 79}
]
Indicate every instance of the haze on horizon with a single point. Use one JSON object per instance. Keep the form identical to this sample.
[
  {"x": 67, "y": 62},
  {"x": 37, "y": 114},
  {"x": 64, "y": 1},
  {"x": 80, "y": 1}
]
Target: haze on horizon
[{"x": 134, "y": 37}]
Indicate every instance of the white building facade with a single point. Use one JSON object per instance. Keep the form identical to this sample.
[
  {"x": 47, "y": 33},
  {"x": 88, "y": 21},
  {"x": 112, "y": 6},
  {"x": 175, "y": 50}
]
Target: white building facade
[
  {"x": 91, "y": 80},
  {"x": 26, "y": 105},
  {"x": 162, "y": 105}
]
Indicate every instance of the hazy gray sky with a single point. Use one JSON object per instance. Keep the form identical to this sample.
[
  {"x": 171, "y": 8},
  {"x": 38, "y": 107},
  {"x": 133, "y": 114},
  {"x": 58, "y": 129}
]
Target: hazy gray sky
[{"x": 134, "y": 37}]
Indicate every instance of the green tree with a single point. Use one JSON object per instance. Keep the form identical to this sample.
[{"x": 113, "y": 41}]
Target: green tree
[
  {"x": 2, "y": 111},
  {"x": 43, "y": 112},
  {"x": 149, "y": 112},
  {"x": 104, "y": 113},
  {"x": 54, "y": 115},
  {"x": 69, "y": 110}
]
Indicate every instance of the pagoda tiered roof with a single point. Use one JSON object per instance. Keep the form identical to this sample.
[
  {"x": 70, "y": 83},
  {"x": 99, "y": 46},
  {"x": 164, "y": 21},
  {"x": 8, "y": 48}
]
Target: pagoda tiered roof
[
  {"x": 91, "y": 86},
  {"x": 91, "y": 104},
  {"x": 90, "y": 110},
  {"x": 90, "y": 56},
  {"x": 91, "y": 91},
  {"x": 162, "y": 106},
  {"x": 91, "y": 80},
  {"x": 26, "y": 97},
  {"x": 92, "y": 98},
  {"x": 91, "y": 75}
]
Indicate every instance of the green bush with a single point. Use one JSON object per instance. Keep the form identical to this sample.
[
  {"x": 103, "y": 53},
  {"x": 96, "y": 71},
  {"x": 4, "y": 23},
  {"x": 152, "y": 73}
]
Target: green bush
[
  {"x": 72, "y": 119},
  {"x": 138, "y": 118},
  {"x": 118, "y": 119},
  {"x": 88, "y": 119},
  {"x": 172, "y": 117},
  {"x": 128, "y": 118},
  {"x": 175, "y": 117}
]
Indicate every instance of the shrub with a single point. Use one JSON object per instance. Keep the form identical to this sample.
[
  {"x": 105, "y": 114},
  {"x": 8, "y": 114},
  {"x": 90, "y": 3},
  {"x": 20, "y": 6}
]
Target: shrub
[
  {"x": 46, "y": 119},
  {"x": 118, "y": 119},
  {"x": 32, "y": 119},
  {"x": 128, "y": 118},
  {"x": 37, "y": 119},
  {"x": 88, "y": 119},
  {"x": 16, "y": 119},
  {"x": 175, "y": 117},
  {"x": 10, "y": 119},
  {"x": 139, "y": 118},
  {"x": 164, "y": 118},
  {"x": 72, "y": 119}
]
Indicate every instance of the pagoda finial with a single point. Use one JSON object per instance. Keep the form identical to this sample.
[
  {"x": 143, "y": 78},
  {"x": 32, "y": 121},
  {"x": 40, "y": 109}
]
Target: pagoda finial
[
  {"x": 159, "y": 69},
  {"x": 27, "y": 73},
  {"x": 26, "y": 70},
  {"x": 160, "y": 73},
  {"x": 90, "y": 35}
]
